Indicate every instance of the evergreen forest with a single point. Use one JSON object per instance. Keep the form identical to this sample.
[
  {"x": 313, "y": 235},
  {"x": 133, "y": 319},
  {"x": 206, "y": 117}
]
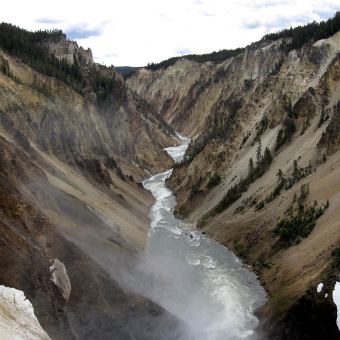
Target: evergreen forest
[
  {"x": 299, "y": 35},
  {"x": 29, "y": 48}
]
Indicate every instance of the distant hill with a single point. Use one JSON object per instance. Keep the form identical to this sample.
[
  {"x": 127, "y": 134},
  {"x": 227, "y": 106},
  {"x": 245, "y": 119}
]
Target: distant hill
[
  {"x": 127, "y": 69},
  {"x": 199, "y": 58}
]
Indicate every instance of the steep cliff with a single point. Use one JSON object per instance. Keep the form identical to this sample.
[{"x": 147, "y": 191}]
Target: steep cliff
[
  {"x": 62, "y": 47},
  {"x": 263, "y": 161},
  {"x": 86, "y": 301},
  {"x": 71, "y": 163}
]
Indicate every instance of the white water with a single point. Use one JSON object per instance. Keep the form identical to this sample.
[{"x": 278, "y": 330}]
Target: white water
[
  {"x": 177, "y": 152},
  {"x": 199, "y": 281}
]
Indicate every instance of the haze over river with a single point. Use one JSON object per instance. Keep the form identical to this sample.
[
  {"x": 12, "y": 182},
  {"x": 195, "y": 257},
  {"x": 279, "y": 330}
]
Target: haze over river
[{"x": 201, "y": 282}]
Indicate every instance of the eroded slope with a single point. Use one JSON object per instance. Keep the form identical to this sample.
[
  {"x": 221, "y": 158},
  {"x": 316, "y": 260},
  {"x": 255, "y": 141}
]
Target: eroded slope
[
  {"x": 70, "y": 192},
  {"x": 281, "y": 112}
]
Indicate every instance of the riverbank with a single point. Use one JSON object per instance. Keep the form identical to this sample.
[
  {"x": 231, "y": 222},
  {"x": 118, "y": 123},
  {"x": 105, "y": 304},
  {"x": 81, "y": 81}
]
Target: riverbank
[
  {"x": 290, "y": 275},
  {"x": 201, "y": 282}
]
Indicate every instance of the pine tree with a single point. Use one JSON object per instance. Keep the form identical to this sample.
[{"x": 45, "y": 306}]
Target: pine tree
[
  {"x": 296, "y": 171},
  {"x": 259, "y": 160},
  {"x": 267, "y": 158},
  {"x": 259, "y": 155},
  {"x": 280, "y": 177},
  {"x": 251, "y": 169}
]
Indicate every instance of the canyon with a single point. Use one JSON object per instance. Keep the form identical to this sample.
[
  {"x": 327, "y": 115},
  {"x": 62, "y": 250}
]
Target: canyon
[
  {"x": 71, "y": 171},
  {"x": 234, "y": 109}
]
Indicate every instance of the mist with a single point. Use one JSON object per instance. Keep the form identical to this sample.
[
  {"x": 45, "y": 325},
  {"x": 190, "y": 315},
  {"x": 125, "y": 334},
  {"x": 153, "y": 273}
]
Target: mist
[
  {"x": 192, "y": 277},
  {"x": 201, "y": 287},
  {"x": 205, "y": 306}
]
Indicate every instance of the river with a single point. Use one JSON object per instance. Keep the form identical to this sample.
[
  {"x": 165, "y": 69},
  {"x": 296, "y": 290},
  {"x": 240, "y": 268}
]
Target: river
[{"x": 205, "y": 285}]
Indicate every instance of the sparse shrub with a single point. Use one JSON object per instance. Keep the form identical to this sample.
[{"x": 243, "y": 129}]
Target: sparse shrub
[
  {"x": 304, "y": 192},
  {"x": 214, "y": 180},
  {"x": 110, "y": 163},
  {"x": 277, "y": 67},
  {"x": 324, "y": 116},
  {"x": 195, "y": 189},
  {"x": 260, "y": 205},
  {"x": 301, "y": 224},
  {"x": 239, "y": 248},
  {"x": 5, "y": 69},
  {"x": 232, "y": 195},
  {"x": 327, "y": 204},
  {"x": 263, "y": 162},
  {"x": 262, "y": 126},
  {"x": 285, "y": 133},
  {"x": 245, "y": 138},
  {"x": 220, "y": 158},
  {"x": 336, "y": 254}
]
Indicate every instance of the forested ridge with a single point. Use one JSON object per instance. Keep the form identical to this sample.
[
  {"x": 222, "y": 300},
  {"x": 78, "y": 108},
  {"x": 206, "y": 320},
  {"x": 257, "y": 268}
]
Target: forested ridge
[
  {"x": 29, "y": 47},
  {"x": 199, "y": 58},
  {"x": 299, "y": 35},
  {"x": 309, "y": 33}
]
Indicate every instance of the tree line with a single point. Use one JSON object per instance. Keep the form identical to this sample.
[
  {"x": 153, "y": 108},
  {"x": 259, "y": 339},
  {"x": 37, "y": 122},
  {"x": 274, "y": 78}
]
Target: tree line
[
  {"x": 309, "y": 33},
  {"x": 29, "y": 48},
  {"x": 300, "y": 35},
  {"x": 199, "y": 58}
]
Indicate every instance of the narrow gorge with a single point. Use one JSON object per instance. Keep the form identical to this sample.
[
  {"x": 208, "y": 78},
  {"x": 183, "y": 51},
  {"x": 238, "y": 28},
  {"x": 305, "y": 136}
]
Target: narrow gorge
[
  {"x": 264, "y": 156},
  {"x": 197, "y": 279},
  {"x": 113, "y": 226}
]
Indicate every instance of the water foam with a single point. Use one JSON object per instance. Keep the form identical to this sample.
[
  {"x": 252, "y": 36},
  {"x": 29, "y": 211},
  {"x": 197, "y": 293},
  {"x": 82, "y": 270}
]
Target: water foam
[{"x": 202, "y": 282}]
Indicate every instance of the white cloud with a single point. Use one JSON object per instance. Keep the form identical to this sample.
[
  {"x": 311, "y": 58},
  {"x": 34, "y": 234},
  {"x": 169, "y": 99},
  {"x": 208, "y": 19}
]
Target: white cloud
[{"x": 134, "y": 32}]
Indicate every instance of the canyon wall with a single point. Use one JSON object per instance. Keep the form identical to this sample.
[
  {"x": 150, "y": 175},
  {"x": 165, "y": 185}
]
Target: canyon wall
[
  {"x": 265, "y": 129},
  {"x": 70, "y": 194},
  {"x": 261, "y": 176}
]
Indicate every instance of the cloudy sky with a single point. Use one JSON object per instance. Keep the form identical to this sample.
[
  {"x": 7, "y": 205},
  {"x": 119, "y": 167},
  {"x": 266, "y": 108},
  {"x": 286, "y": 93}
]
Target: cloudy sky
[{"x": 138, "y": 32}]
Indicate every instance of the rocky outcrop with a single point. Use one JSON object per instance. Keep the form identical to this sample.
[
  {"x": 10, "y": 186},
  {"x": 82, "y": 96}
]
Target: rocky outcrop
[
  {"x": 173, "y": 91},
  {"x": 186, "y": 94},
  {"x": 62, "y": 47},
  {"x": 331, "y": 138},
  {"x": 311, "y": 316},
  {"x": 17, "y": 310},
  {"x": 60, "y": 278},
  {"x": 56, "y": 118}
]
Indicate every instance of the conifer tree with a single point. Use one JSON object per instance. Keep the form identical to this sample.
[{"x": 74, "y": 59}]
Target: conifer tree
[
  {"x": 267, "y": 158},
  {"x": 251, "y": 169},
  {"x": 259, "y": 158}
]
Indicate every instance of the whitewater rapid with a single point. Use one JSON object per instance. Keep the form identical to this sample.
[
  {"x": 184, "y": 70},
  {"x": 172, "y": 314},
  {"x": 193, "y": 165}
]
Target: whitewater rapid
[{"x": 201, "y": 282}]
